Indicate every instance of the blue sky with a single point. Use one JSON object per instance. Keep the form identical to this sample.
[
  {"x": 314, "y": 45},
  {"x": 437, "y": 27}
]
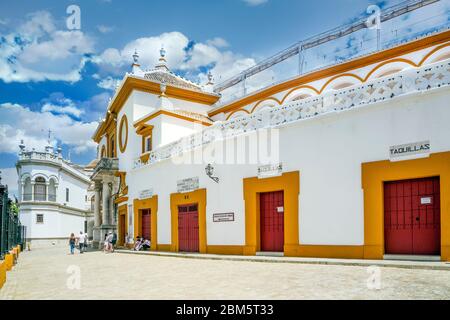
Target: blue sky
[{"x": 60, "y": 79}]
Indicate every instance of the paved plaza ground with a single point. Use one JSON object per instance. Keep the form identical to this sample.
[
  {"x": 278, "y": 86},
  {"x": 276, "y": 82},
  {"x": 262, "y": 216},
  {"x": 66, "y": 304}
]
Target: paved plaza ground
[{"x": 45, "y": 273}]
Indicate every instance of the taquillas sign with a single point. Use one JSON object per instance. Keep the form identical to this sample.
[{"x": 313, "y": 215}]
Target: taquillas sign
[{"x": 410, "y": 149}]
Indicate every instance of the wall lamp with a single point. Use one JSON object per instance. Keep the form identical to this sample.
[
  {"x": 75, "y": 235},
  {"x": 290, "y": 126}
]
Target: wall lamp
[{"x": 210, "y": 171}]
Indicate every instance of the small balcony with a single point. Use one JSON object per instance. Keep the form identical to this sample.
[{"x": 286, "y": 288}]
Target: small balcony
[{"x": 106, "y": 166}]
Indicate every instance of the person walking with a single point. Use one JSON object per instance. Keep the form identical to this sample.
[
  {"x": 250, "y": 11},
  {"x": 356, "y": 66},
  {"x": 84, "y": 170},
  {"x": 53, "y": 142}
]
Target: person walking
[
  {"x": 113, "y": 241},
  {"x": 86, "y": 241},
  {"x": 72, "y": 243},
  {"x": 105, "y": 244},
  {"x": 81, "y": 241}
]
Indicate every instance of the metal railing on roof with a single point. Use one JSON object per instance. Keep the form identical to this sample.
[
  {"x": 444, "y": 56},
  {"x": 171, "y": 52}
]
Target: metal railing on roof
[{"x": 300, "y": 47}]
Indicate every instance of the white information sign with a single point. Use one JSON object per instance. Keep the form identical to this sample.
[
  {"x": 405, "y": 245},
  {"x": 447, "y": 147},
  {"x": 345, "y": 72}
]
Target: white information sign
[
  {"x": 270, "y": 170},
  {"x": 187, "y": 185}
]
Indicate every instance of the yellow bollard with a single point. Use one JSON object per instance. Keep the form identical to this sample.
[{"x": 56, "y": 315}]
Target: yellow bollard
[
  {"x": 14, "y": 254},
  {"x": 2, "y": 273},
  {"x": 8, "y": 261}
]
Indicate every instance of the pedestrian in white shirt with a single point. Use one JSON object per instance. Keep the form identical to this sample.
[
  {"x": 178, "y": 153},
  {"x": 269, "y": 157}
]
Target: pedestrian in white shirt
[{"x": 81, "y": 241}]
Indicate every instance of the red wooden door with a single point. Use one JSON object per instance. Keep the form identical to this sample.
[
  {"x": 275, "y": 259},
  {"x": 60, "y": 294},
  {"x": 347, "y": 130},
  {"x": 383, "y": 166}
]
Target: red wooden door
[
  {"x": 188, "y": 232},
  {"x": 412, "y": 217},
  {"x": 122, "y": 233},
  {"x": 146, "y": 224},
  {"x": 272, "y": 221}
]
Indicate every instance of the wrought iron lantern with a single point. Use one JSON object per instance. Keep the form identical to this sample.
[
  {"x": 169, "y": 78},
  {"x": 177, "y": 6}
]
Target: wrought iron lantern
[{"x": 210, "y": 173}]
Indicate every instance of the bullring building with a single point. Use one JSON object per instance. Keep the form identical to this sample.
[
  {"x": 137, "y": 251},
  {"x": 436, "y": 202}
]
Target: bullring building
[{"x": 347, "y": 161}]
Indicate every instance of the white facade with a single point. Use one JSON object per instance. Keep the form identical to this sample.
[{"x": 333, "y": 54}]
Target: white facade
[
  {"x": 327, "y": 130},
  {"x": 53, "y": 195}
]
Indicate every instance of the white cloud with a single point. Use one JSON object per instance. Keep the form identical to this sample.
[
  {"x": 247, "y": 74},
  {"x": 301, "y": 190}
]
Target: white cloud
[
  {"x": 108, "y": 83},
  {"x": 62, "y": 45},
  {"x": 38, "y": 51},
  {"x": 69, "y": 109},
  {"x": 105, "y": 29},
  {"x": 182, "y": 55},
  {"x": 148, "y": 49},
  {"x": 9, "y": 178},
  {"x": 254, "y": 3},
  {"x": 218, "y": 42},
  {"x": 19, "y": 122}
]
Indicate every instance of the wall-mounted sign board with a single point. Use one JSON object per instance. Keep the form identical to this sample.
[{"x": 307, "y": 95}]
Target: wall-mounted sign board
[
  {"x": 426, "y": 200},
  {"x": 410, "y": 149},
  {"x": 223, "y": 217},
  {"x": 146, "y": 194},
  {"x": 270, "y": 170},
  {"x": 187, "y": 185}
]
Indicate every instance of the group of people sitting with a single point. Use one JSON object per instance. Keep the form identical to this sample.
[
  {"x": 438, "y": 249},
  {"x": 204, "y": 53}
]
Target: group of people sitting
[{"x": 141, "y": 244}]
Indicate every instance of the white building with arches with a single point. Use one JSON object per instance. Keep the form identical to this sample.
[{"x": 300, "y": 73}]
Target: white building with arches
[
  {"x": 53, "y": 195},
  {"x": 361, "y": 167}
]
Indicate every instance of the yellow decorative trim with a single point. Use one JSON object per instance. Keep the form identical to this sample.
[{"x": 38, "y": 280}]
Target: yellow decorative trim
[
  {"x": 226, "y": 250},
  {"x": 331, "y": 252},
  {"x": 236, "y": 111},
  {"x": 121, "y": 200},
  {"x": 152, "y": 204},
  {"x": 178, "y": 199},
  {"x": 132, "y": 83},
  {"x": 290, "y": 184},
  {"x": 429, "y": 54},
  {"x": 123, "y": 124},
  {"x": 164, "y": 247},
  {"x": 344, "y": 75},
  {"x": 374, "y": 174},
  {"x": 123, "y": 188},
  {"x": 144, "y": 129},
  {"x": 278, "y": 102},
  {"x": 298, "y": 88},
  {"x": 144, "y": 158},
  {"x": 170, "y": 114}
]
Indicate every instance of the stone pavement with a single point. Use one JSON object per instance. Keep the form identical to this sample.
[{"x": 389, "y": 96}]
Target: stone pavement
[
  {"x": 45, "y": 273},
  {"x": 426, "y": 265}
]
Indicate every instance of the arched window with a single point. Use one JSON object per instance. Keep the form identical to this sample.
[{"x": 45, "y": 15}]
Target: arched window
[
  {"x": 40, "y": 189},
  {"x": 52, "y": 191},
  {"x": 27, "y": 190}
]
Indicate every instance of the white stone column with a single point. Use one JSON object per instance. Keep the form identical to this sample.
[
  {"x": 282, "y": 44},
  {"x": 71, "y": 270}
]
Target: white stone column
[
  {"x": 105, "y": 202},
  {"x": 47, "y": 189},
  {"x": 32, "y": 191},
  {"x": 56, "y": 192},
  {"x": 97, "y": 217},
  {"x": 111, "y": 211}
]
